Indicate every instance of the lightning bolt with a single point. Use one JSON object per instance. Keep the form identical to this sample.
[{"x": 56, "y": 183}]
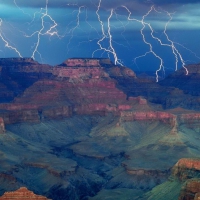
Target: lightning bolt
[
  {"x": 51, "y": 30},
  {"x": 144, "y": 39},
  {"x": 71, "y": 31},
  {"x": 187, "y": 50},
  {"x": 108, "y": 35},
  {"x": 150, "y": 45},
  {"x": 21, "y": 9},
  {"x": 105, "y": 37},
  {"x": 6, "y": 41},
  {"x": 175, "y": 51}
]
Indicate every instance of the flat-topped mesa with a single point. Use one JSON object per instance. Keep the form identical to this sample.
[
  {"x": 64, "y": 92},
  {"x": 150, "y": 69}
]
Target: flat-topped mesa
[
  {"x": 84, "y": 68},
  {"x": 2, "y": 126},
  {"x": 91, "y": 68},
  {"x": 86, "y": 62},
  {"x": 186, "y": 167},
  {"x": 22, "y": 193}
]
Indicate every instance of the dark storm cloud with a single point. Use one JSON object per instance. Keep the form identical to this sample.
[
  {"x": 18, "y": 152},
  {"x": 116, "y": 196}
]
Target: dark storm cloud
[
  {"x": 164, "y": 2},
  {"x": 107, "y": 3},
  {"x": 137, "y": 7}
]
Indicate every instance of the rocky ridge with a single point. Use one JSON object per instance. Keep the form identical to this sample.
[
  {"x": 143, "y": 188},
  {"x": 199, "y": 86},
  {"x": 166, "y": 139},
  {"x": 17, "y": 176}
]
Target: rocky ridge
[
  {"x": 91, "y": 88},
  {"x": 76, "y": 114},
  {"x": 22, "y": 193}
]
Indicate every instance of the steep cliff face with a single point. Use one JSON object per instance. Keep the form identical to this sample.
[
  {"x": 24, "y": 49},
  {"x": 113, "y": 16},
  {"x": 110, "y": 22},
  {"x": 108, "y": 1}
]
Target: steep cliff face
[{"x": 186, "y": 167}]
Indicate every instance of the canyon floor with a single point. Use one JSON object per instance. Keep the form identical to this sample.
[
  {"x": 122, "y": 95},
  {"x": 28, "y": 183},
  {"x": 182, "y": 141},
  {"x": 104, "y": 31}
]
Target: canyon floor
[{"x": 88, "y": 129}]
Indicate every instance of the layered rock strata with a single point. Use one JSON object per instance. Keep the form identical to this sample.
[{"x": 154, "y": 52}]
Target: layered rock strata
[
  {"x": 77, "y": 86},
  {"x": 22, "y": 193}
]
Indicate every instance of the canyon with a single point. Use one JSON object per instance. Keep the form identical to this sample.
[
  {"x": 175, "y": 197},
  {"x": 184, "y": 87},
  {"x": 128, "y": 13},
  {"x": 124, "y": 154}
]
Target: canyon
[{"x": 88, "y": 129}]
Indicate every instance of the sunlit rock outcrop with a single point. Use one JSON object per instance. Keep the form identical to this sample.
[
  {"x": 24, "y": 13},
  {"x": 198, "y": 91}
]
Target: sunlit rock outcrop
[{"x": 22, "y": 193}]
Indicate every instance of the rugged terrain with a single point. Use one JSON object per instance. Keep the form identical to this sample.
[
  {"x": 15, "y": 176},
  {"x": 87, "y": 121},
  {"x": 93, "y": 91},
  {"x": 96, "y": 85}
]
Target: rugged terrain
[{"x": 88, "y": 129}]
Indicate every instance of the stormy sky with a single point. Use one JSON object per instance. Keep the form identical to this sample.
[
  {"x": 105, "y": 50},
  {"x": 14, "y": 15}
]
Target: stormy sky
[{"x": 54, "y": 30}]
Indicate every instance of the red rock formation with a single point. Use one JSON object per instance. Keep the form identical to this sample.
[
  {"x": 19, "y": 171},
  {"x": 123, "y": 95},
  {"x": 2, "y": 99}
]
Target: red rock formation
[
  {"x": 185, "y": 168},
  {"x": 86, "y": 62},
  {"x": 188, "y": 163},
  {"x": 2, "y": 126},
  {"x": 22, "y": 194},
  {"x": 121, "y": 71},
  {"x": 190, "y": 119},
  {"x": 80, "y": 72},
  {"x": 80, "y": 86},
  {"x": 191, "y": 190},
  {"x": 148, "y": 115}
]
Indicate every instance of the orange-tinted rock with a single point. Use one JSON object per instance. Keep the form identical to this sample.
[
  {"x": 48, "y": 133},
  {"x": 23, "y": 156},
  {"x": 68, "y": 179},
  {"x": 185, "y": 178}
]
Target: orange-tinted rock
[
  {"x": 22, "y": 194},
  {"x": 189, "y": 163},
  {"x": 186, "y": 167},
  {"x": 191, "y": 190}
]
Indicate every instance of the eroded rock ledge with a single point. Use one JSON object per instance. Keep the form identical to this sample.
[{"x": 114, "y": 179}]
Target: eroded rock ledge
[{"x": 22, "y": 193}]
